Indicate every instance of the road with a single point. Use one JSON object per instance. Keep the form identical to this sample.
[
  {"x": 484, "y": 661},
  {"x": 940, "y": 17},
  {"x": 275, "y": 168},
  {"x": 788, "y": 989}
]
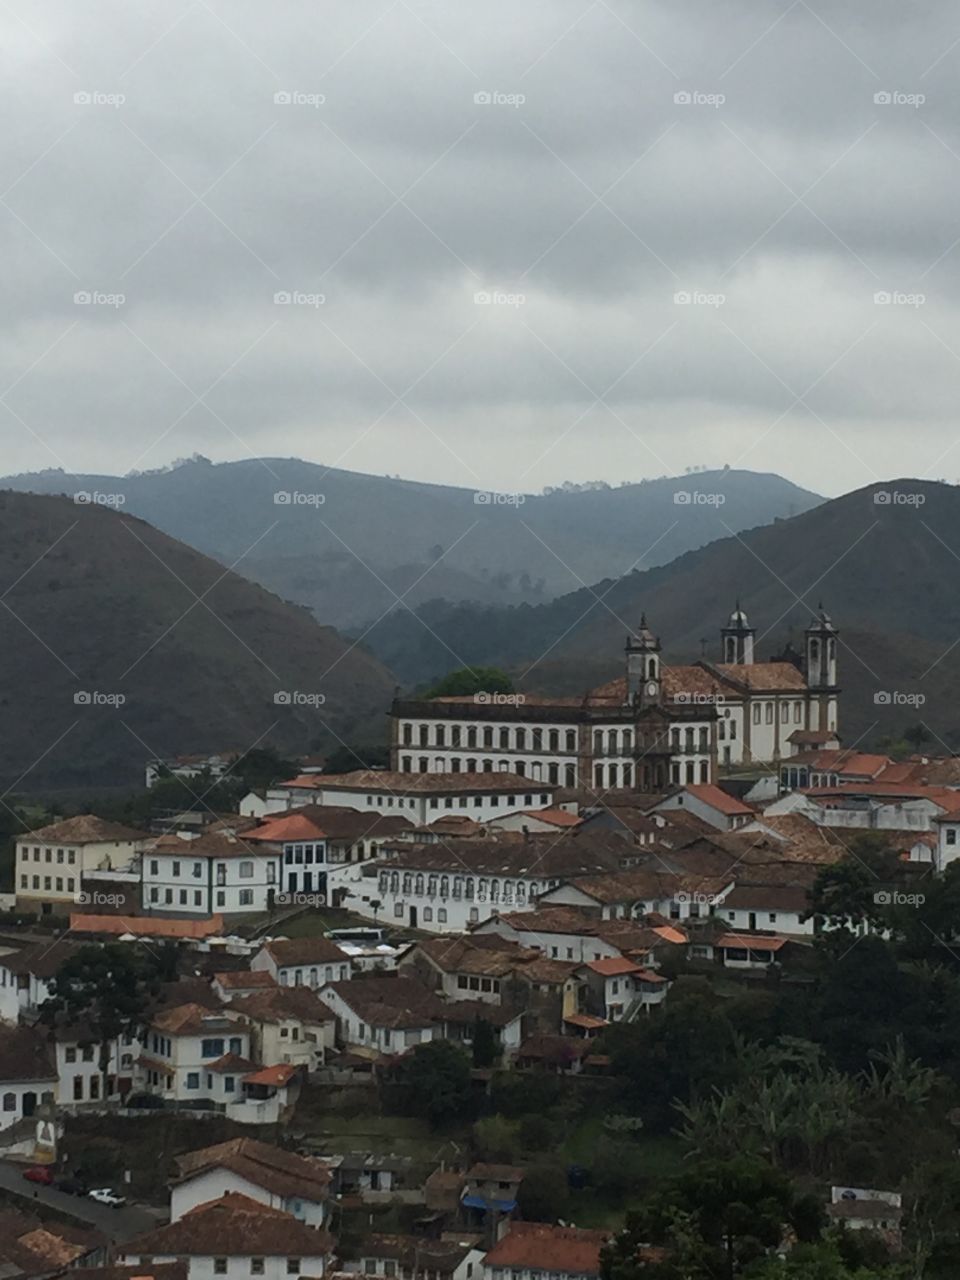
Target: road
[{"x": 118, "y": 1224}]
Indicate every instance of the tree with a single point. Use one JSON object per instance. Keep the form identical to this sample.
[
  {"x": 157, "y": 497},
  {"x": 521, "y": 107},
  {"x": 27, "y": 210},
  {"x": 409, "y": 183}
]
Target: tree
[
  {"x": 544, "y": 1195},
  {"x": 107, "y": 989},
  {"x": 471, "y": 680},
  {"x": 435, "y": 1082},
  {"x": 495, "y": 1139},
  {"x": 485, "y": 1046}
]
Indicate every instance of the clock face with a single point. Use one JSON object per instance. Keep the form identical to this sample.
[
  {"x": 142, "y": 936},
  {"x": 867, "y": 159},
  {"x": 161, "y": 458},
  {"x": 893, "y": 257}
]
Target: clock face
[{"x": 652, "y": 689}]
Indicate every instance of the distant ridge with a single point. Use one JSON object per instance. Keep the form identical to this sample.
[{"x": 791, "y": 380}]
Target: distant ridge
[{"x": 348, "y": 545}]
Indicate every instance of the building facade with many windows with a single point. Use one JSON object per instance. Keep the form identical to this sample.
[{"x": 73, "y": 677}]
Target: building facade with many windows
[{"x": 654, "y": 727}]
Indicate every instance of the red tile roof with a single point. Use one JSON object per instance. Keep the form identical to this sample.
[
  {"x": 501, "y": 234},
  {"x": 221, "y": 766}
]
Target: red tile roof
[
  {"x": 719, "y": 799},
  {"x": 146, "y": 926},
  {"x": 751, "y": 942},
  {"x": 278, "y": 1076},
  {"x": 613, "y": 966},
  {"x": 538, "y": 1247}
]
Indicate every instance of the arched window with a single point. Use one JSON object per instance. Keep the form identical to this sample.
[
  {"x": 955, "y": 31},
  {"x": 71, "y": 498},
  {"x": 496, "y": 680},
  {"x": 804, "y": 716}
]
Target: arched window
[
  {"x": 507, "y": 891},
  {"x": 418, "y": 885},
  {"x": 598, "y": 743},
  {"x": 612, "y": 741},
  {"x": 521, "y": 891},
  {"x": 444, "y": 886},
  {"x": 571, "y": 739},
  {"x": 612, "y": 775},
  {"x": 458, "y": 886},
  {"x": 504, "y": 739},
  {"x": 554, "y": 740},
  {"x": 471, "y": 737},
  {"x": 494, "y": 890},
  {"x": 520, "y": 739},
  {"x": 468, "y": 888},
  {"x": 395, "y": 882},
  {"x": 537, "y": 736},
  {"x": 431, "y": 886},
  {"x": 570, "y": 776},
  {"x": 407, "y": 883},
  {"x": 627, "y": 775},
  {"x": 488, "y": 766},
  {"x": 383, "y": 882},
  {"x": 652, "y": 669}
]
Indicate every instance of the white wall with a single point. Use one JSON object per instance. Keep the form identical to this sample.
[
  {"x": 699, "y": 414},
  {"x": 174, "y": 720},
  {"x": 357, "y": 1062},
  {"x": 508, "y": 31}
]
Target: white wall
[
  {"x": 238, "y": 1266},
  {"x": 214, "y": 1183}
]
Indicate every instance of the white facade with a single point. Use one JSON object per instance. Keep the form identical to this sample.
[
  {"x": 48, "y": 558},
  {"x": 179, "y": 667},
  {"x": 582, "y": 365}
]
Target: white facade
[
  {"x": 446, "y": 901},
  {"x": 214, "y": 1183},
  {"x": 579, "y": 947},
  {"x": 79, "y": 1079},
  {"x": 236, "y": 1266},
  {"x": 177, "y": 1066},
  {"x": 420, "y": 807},
  {"x": 354, "y": 1030},
  {"x": 309, "y": 975},
  {"x": 194, "y": 883},
  {"x": 48, "y": 874},
  {"x": 20, "y": 1098}
]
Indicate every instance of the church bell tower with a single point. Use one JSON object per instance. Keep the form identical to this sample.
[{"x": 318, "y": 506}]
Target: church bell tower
[{"x": 644, "y": 683}]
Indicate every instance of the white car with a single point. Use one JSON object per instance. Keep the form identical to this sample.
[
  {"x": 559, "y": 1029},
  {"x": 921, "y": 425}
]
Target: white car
[{"x": 103, "y": 1195}]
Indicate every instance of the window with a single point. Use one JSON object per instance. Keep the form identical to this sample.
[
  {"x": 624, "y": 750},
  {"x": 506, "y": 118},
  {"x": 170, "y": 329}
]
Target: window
[
  {"x": 9, "y": 1102},
  {"x": 193, "y": 1079},
  {"x": 769, "y": 715},
  {"x": 154, "y": 867},
  {"x": 219, "y": 1266},
  {"x": 246, "y": 897},
  {"x": 221, "y": 898},
  {"x": 70, "y": 1054},
  {"x": 236, "y": 1045},
  {"x": 256, "y": 1266},
  {"x": 176, "y": 868},
  {"x": 78, "y": 1088},
  {"x": 293, "y": 1266},
  {"x": 211, "y": 1048},
  {"x": 428, "y": 913},
  {"x": 88, "y": 1053},
  {"x": 756, "y": 713}
]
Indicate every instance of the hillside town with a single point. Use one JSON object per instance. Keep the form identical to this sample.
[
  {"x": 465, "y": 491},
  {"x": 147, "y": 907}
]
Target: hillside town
[{"x": 343, "y": 1027}]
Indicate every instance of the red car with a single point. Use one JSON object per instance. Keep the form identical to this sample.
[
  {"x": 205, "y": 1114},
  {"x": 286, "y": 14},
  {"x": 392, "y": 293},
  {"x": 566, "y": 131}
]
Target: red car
[{"x": 39, "y": 1173}]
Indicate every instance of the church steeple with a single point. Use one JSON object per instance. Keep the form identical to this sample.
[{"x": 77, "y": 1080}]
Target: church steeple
[
  {"x": 821, "y": 651},
  {"x": 643, "y": 665},
  {"x": 736, "y": 639}
]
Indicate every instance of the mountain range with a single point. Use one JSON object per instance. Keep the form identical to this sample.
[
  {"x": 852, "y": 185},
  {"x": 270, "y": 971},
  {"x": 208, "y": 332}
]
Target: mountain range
[
  {"x": 349, "y": 546},
  {"x": 883, "y": 561},
  {"x": 120, "y": 644}
]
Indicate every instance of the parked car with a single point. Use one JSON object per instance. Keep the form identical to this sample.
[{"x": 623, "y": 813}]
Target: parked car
[
  {"x": 39, "y": 1173},
  {"x": 103, "y": 1195}
]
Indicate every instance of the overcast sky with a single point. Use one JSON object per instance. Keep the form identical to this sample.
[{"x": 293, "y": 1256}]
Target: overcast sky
[{"x": 197, "y": 159}]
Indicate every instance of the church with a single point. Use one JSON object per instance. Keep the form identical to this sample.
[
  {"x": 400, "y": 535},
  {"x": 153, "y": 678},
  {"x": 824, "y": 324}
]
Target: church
[{"x": 654, "y": 727}]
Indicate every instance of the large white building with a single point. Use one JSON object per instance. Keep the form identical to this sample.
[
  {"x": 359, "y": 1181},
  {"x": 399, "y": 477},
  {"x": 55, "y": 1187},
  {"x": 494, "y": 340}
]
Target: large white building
[
  {"x": 208, "y": 874},
  {"x": 654, "y": 727},
  {"x": 52, "y": 862}
]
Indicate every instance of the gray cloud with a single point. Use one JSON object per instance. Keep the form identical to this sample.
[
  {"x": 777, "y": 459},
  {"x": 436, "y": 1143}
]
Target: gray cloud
[{"x": 798, "y": 198}]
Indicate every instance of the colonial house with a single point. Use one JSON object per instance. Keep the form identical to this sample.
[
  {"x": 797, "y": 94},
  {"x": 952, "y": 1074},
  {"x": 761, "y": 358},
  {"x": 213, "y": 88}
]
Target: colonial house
[
  {"x": 28, "y": 1074},
  {"x": 644, "y": 891},
  {"x": 579, "y": 935},
  {"x": 711, "y": 803},
  {"x": 79, "y": 1078},
  {"x": 322, "y": 846},
  {"x": 536, "y": 1251},
  {"x": 655, "y": 726},
  {"x": 279, "y": 1179},
  {"x": 447, "y": 887},
  {"x": 52, "y": 861},
  {"x": 287, "y": 1024},
  {"x": 25, "y": 977},
  {"x": 206, "y": 874},
  {"x": 617, "y": 989},
  {"x": 238, "y": 1237},
  {"x": 768, "y": 908},
  {"x": 307, "y": 962},
  {"x": 421, "y": 798},
  {"x": 241, "y": 982},
  {"x": 749, "y": 951},
  {"x": 872, "y": 806}
]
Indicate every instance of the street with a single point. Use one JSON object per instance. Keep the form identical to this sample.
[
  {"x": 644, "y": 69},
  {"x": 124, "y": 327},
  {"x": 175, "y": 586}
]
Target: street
[{"x": 118, "y": 1224}]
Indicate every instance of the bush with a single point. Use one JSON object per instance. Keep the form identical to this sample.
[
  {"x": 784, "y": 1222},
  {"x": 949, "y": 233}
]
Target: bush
[
  {"x": 495, "y": 1140},
  {"x": 536, "y": 1133}
]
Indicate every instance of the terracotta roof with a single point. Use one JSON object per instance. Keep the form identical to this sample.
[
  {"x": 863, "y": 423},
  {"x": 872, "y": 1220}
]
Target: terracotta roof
[
  {"x": 327, "y": 822},
  {"x": 86, "y": 828},
  {"x": 643, "y": 884},
  {"x": 395, "y": 1003},
  {"x": 538, "y": 1247},
  {"x": 419, "y": 1254},
  {"x": 417, "y": 783},
  {"x": 209, "y": 844},
  {"x": 281, "y": 1172},
  {"x": 230, "y": 1064},
  {"x": 245, "y": 979},
  {"x": 233, "y": 1226},
  {"x": 194, "y": 1019},
  {"x": 462, "y": 955},
  {"x": 142, "y": 1271},
  {"x": 546, "y": 855},
  {"x": 146, "y": 926},
  {"x": 586, "y": 1021},
  {"x": 750, "y": 897},
  {"x": 31, "y": 1247},
  {"x": 719, "y": 799},
  {"x": 553, "y": 817},
  {"x": 276, "y": 1076},
  {"x": 283, "y": 1003},
  {"x": 613, "y": 966},
  {"x": 42, "y": 959},
  {"x": 751, "y": 941},
  {"x": 289, "y": 952},
  {"x": 24, "y": 1055}
]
